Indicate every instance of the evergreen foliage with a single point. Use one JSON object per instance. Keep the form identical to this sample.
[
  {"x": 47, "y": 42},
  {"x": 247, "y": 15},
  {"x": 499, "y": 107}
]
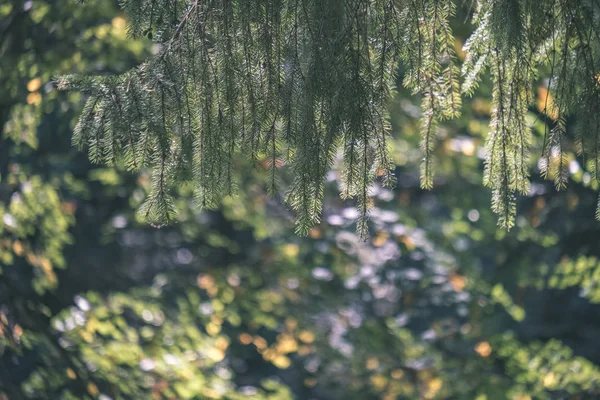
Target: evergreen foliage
[
  {"x": 231, "y": 304},
  {"x": 294, "y": 81}
]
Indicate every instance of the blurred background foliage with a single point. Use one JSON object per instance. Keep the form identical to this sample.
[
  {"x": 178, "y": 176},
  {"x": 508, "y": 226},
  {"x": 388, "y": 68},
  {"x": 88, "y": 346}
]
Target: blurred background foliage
[{"x": 231, "y": 304}]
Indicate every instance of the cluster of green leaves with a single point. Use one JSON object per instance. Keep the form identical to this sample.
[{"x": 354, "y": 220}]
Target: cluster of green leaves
[
  {"x": 545, "y": 370},
  {"x": 34, "y": 228},
  {"x": 38, "y": 201}
]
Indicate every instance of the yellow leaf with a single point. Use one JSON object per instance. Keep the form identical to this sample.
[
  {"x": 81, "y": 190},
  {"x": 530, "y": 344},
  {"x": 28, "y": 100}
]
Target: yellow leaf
[
  {"x": 304, "y": 350},
  {"x": 483, "y": 349},
  {"x": 269, "y": 354},
  {"x": 380, "y": 239},
  {"x": 17, "y": 332},
  {"x": 222, "y": 343},
  {"x": 205, "y": 281},
  {"x": 34, "y": 98},
  {"x": 71, "y": 374},
  {"x": 92, "y": 325},
  {"x": 378, "y": 381},
  {"x": 545, "y": 104},
  {"x": 286, "y": 344},
  {"x": 92, "y": 389},
  {"x": 282, "y": 362},
  {"x": 291, "y": 250},
  {"x": 458, "y": 282},
  {"x": 245, "y": 338},
  {"x": 550, "y": 380},
  {"x": 34, "y": 84},
  {"x": 118, "y": 22},
  {"x": 213, "y": 329},
  {"x": 397, "y": 374},
  {"x": 468, "y": 147},
  {"x": 46, "y": 265},
  {"x": 372, "y": 363},
  {"x": 18, "y": 248},
  {"x": 315, "y": 233},
  {"x": 215, "y": 354},
  {"x": 433, "y": 387},
  {"x": 260, "y": 343},
  {"x": 306, "y": 336},
  {"x": 408, "y": 242},
  {"x": 86, "y": 336}
]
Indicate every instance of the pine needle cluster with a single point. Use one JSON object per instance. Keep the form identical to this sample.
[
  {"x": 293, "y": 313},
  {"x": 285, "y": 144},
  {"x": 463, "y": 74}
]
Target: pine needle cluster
[{"x": 297, "y": 81}]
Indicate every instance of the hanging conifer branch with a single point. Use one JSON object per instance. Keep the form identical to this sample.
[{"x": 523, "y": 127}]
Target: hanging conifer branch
[{"x": 290, "y": 82}]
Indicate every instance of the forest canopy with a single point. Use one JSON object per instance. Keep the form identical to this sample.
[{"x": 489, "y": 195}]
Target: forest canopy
[
  {"x": 292, "y": 82},
  {"x": 231, "y": 303}
]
